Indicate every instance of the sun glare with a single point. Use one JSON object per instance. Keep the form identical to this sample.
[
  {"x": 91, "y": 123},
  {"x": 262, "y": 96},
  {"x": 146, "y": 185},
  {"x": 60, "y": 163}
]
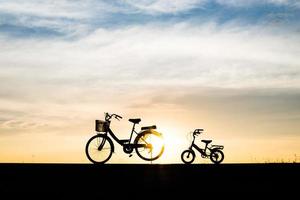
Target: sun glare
[
  {"x": 174, "y": 142},
  {"x": 157, "y": 142}
]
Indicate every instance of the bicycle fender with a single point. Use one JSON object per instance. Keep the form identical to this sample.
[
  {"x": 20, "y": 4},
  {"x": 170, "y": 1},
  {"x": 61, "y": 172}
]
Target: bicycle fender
[
  {"x": 217, "y": 147},
  {"x": 150, "y": 131}
]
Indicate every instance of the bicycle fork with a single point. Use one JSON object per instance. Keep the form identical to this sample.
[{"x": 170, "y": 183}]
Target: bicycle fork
[{"x": 102, "y": 144}]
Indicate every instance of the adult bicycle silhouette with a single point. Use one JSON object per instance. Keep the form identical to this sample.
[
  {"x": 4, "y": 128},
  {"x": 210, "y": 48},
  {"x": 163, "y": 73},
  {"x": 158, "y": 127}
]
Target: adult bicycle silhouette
[
  {"x": 148, "y": 143},
  {"x": 214, "y": 152}
]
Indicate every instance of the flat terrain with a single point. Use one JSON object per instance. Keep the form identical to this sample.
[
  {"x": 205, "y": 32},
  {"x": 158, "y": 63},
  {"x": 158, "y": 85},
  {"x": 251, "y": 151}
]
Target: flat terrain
[{"x": 149, "y": 180}]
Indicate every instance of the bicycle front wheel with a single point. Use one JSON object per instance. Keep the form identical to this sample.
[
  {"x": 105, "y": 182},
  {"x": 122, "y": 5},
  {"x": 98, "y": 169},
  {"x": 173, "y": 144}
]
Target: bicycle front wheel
[
  {"x": 99, "y": 149},
  {"x": 149, "y": 145},
  {"x": 188, "y": 156}
]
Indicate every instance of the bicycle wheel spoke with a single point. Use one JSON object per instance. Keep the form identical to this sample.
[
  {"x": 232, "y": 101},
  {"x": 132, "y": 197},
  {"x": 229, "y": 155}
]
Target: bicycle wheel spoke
[{"x": 154, "y": 146}]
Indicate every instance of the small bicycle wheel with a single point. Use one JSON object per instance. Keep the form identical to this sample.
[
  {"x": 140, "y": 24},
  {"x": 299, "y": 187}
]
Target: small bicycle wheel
[
  {"x": 99, "y": 149},
  {"x": 149, "y": 145},
  {"x": 188, "y": 156},
  {"x": 216, "y": 156}
]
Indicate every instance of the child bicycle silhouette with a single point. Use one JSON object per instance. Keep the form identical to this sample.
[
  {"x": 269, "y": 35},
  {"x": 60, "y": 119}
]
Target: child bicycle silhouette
[{"x": 214, "y": 152}]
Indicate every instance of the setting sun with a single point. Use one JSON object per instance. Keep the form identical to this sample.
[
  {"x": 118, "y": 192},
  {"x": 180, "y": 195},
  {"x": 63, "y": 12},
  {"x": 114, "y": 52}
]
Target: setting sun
[{"x": 174, "y": 142}]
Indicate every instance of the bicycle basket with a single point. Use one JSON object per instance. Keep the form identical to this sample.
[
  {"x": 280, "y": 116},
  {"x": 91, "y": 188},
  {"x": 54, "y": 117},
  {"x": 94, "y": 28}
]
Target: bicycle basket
[{"x": 100, "y": 126}]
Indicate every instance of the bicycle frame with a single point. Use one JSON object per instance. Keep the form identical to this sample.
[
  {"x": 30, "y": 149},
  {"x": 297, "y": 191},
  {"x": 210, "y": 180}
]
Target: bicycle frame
[
  {"x": 141, "y": 142},
  {"x": 201, "y": 151},
  {"x": 122, "y": 142},
  {"x": 198, "y": 149}
]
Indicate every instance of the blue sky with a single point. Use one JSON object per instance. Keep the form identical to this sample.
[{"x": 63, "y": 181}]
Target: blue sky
[
  {"x": 231, "y": 67},
  {"x": 73, "y": 18}
]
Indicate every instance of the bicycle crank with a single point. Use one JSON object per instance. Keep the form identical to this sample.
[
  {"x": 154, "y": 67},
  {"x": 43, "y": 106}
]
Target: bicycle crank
[{"x": 127, "y": 148}]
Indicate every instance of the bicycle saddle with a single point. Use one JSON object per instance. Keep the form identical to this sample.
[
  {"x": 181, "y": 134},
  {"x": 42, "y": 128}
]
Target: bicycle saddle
[
  {"x": 206, "y": 141},
  {"x": 135, "y": 121}
]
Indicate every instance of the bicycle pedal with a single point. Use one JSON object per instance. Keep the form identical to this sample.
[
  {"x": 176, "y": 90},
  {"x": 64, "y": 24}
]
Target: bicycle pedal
[{"x": 130, "y": 155}]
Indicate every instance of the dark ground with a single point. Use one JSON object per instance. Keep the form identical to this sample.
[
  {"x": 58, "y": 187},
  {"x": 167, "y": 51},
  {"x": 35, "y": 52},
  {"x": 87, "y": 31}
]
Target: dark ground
[{"x": 124, "y": 180}]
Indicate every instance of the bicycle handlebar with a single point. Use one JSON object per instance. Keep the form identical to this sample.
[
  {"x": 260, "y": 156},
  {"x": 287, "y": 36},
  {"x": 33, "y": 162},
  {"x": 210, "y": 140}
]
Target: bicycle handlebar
[
  {"x": 197, "y": 131},
  {"x": 109, "y": 116},
  {"x": 118, "y": 117}
]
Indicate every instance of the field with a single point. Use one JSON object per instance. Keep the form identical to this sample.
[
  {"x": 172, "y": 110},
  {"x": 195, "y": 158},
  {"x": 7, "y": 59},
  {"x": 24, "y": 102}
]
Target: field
[{"x": 121, "y": 180}]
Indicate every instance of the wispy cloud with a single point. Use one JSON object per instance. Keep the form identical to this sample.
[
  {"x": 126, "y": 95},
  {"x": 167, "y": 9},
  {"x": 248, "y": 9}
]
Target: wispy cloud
[
  {"x": 178, "y": 6},
  {"x": 53, "y": 82},
  {"x": 65, "y": 16},
  {"x": 258, "y": 2},
  {"x": 165, "y": 6},
  {"x": 64, "y": 8},
  {"x": 78, "y": 18},
  {"x": 211, "y": 56}
]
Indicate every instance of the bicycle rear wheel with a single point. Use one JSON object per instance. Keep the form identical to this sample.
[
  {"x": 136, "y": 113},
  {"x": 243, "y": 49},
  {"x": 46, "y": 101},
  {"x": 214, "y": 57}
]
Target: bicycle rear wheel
[
  {"x": 99, "y": 149},
  {"x": 216, "y": 156},
  {"x": 149, "y": 145}
]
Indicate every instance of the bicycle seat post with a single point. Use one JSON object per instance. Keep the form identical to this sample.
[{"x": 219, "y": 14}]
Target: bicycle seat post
[
  {"x": 133, "y": 128},
  {"x": 205, "y": 147},
  {"x": 134, "y": 121}
]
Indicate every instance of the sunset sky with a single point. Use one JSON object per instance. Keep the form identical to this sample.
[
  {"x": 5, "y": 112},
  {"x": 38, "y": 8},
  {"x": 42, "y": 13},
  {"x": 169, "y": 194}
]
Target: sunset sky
[{"x": 231, "y": 67}]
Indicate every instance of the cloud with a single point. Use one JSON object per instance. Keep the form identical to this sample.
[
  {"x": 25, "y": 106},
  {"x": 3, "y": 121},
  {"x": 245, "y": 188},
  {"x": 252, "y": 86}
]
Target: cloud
[
  {"x": 15, "y": 120},
  {"x": 62, "y": 16},
  {"x": 165, "y": 6},
  {"x": 178, "y": 6},
  {"x": 208, "y": 55},
  {"x": 270, "y": 105},
  {"x": 18, "y": 124},
  {"x": 78, "y": 18},
  {"x": 47, "y": 8},
  {"x": 89, "y": 8},
  {"x": 56, "y": 82},
  {"x": 242, "y": 3}
]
